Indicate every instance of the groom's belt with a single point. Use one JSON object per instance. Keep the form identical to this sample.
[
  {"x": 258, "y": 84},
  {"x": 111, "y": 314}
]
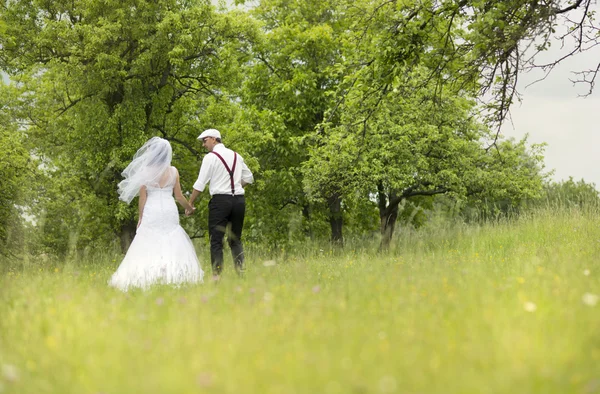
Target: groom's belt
[{"x": 227, "y": 195}]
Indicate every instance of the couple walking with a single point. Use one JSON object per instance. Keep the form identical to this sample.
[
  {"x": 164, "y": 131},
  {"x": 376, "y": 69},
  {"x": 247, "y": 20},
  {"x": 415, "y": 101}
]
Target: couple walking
[{"x": 161, "y": 251}]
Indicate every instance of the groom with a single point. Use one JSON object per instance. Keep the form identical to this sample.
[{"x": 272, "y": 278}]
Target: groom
[{"x": 227, "y": 175}]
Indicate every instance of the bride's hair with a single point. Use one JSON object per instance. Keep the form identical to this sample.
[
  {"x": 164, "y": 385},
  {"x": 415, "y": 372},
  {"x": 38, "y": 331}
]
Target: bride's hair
[{"x": 146, "y": 169}]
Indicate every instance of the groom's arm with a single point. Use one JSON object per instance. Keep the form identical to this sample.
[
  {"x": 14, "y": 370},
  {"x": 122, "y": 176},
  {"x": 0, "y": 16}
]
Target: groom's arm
[
  {"x": 203, "y": 179},
  {"x": 247, "y": 177},
  {"x": 195, "y": 194}
]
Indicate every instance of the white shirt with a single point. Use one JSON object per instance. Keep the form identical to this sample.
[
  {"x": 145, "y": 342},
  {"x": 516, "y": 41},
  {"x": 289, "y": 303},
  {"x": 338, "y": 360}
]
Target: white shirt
[{"x": 212, "y": 170}]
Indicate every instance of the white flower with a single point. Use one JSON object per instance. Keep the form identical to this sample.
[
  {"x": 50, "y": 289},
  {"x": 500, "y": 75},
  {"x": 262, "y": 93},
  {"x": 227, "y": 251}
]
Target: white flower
[
  {"x": 529, "y": 306},
  {"x": 269, "y": 263},
  {"x": 10, "y": 372},
  {"x": 387, "y": 384},
  {"x": 590, "y": 299},
  {"x": 586, "y": 272},
  {"x": 268, "y": 297}
]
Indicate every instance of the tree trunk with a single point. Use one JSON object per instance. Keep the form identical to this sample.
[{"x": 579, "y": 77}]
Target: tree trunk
[
  {"x": 388, "y": 224},
  {"x": 127, "y": 234},
  {"x": 308, "y": 232},
  {"x": 335, "y": 219},
  {"x": 388, "y": 214}
]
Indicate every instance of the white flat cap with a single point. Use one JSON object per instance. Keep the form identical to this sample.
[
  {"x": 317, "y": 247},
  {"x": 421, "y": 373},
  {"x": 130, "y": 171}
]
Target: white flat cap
[{"x": 210, "y": 133}]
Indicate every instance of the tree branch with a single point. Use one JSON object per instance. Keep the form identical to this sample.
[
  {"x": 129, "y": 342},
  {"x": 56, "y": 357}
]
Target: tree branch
[{"x": 569, "y": 8}]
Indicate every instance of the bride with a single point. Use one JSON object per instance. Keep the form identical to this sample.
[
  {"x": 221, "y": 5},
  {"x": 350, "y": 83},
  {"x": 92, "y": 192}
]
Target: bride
[{"x": 161, "y": 251}]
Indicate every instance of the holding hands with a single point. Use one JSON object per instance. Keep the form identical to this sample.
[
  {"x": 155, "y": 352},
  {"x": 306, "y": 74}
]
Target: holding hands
[{"x": 189, "y": 210}]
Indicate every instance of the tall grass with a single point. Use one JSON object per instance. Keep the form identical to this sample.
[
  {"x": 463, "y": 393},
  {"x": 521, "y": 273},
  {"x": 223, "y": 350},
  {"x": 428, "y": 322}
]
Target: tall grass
[{"x": 504, "y": 307}]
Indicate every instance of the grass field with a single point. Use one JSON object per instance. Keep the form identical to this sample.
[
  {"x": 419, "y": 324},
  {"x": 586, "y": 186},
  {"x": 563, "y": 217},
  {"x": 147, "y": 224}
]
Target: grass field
[{"x": 500, "y": 308}]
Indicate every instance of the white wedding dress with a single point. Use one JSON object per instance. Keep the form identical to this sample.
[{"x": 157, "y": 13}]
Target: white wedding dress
[{"x": 161, "y": 252}]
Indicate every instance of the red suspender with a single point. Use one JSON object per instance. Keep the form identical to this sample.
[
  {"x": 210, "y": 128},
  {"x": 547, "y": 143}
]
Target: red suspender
[{"x": 230, "y": 171}]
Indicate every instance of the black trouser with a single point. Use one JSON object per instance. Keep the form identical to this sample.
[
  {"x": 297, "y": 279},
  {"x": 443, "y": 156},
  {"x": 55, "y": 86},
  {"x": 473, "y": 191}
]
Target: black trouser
[{"x": 222, "y": 210}]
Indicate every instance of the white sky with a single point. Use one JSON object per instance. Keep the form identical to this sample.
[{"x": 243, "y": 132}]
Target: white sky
[{"x": 552, "y": 112}]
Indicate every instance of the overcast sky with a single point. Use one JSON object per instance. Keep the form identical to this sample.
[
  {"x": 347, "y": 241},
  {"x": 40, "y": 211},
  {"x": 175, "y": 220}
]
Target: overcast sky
[{"x": 552, "y": 112}]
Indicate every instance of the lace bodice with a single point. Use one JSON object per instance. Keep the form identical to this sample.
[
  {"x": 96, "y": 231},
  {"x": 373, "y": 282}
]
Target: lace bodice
[
  {"x": 165, "y": 183},
  {"x": 160, "y": 210}
]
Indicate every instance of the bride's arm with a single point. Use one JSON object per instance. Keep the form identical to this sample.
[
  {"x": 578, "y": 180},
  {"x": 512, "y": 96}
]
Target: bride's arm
[
  {"x": 179, "y": 195},
  {"x": 142, "y": 203}
]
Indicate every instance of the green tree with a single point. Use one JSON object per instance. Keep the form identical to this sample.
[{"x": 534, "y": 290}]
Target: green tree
[
  {"x": 296, "y": 69},
  {"x": 15, "y": 168},
  {"x": 480, "y": 46},
  {"x": 569, "y": 193},
  {"x": 99, "y": 78},
  {"x": 412, "y": 143}
]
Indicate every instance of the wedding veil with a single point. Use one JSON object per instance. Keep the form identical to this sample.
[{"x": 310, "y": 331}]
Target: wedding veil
[{"x": 146, "y": 169}]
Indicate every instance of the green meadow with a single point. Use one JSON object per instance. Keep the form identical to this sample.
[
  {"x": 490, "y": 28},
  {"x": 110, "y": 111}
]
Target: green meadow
[{"x": 505, "y": 307}]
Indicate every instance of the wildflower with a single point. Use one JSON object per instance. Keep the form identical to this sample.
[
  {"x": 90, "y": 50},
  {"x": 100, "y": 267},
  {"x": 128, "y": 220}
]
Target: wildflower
[
  {"x": 205, "y": 380},
  {"x": 590, "y": 299},
  {"x": 10, "y": 373},
  {"x": 529, "y": 306},
  {"x": 586, "y": 272},
  {"x": 269, "y": 263},
  {"x": 592, "y": 386},
  {"x": 51, "y": 342},
  {"x": 64, "y": 297},
  {"x": 387, "y": 384},
  {"x": 268, "y": 297},
  {"x": 316, "y": 289}
]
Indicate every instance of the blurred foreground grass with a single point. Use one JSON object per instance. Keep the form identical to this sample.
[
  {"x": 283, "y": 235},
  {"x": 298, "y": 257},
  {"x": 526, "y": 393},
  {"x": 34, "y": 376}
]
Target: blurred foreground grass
[{"x": 500, "y": 308}]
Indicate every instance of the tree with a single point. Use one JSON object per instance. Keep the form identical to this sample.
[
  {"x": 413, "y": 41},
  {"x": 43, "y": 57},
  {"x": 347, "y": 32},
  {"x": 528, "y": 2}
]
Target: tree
[
  {"x": 99, "y": 78},
  {"x": 15, "y": 167},
  {"x": 292, "y": 78},
  {"x": 475, "y": 46},
  {"x": 569, "y": 193},
  {"x": 417, "y": 144}
]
